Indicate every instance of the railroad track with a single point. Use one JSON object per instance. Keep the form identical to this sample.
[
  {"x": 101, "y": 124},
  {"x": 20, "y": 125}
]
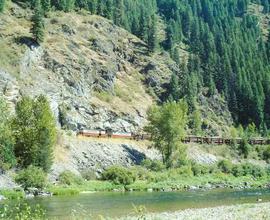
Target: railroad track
[{"x": 187, "y": 139}]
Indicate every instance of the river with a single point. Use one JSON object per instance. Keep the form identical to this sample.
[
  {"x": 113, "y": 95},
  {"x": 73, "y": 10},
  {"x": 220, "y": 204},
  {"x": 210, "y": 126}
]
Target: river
[{"x": 112, "y": 204}]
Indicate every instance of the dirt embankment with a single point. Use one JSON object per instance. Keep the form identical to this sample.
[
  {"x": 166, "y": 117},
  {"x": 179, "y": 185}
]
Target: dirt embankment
[{"x": 79, "y": 153}]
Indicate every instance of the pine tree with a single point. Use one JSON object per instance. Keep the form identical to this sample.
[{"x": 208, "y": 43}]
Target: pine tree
[
  {"x": 2, "y": 5},
  {"x": 109, "y": 9},
  {"x": 92, "y": 5},
  {"x": 169, "y": 43},
  {"x": 69, "y": 5},
  {"x": 38, "y": 23},
  {"x": 175, "y": 55},
  {"x": 196, "y": 122},
  {"x": 152, "y": 38},
  {"x": 119, "y": 13},
  {"x": 46, "y": 6},
  {"x": 174, "y": 88}
]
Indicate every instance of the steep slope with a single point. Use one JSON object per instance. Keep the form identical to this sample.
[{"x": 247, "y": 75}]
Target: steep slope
[{"x": 95, "y": 74}]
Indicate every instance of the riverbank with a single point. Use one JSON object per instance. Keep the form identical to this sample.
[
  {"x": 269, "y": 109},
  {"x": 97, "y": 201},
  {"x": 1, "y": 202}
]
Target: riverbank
[
  {"x": 240, "y": 212},
  {"x": 165, "y": 184},
  {"x": 205, "y": 182}
]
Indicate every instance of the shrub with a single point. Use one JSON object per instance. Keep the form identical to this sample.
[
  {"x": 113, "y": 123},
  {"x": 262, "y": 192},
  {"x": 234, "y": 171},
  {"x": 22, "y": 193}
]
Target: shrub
[
  {"x": 119, "y": 175},
  {"x": 238, "y": 170},
  {"x": 185, "y": 170},
  {"x": 225, "y": 166},
  {"x": 160, "y": 177},
  {"x": 258, "y": 172},
  {"x": 69, "y": 178},
  {"x": 267, "y": 170},
  {"x": 253, "y": 170},
  {"x": 142, "y": 173},
  {"x": 199, "y": 169},
  {"x": 31, "y": 177},
  {"x": 247, "y": 169},
  {"x": 213, "y": 169},
  {"x": 89, "y": 174},
  {"x": 154, "y": 165},
  {"x": 266, "y": 154},
  {"x": 244, "y": 147}
]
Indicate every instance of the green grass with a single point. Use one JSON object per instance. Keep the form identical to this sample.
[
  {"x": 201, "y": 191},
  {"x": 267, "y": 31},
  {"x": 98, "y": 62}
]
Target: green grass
[
  {"x": 122, "y": 94},
  {"x": 12, "y": 194},
  {"x": 63, "y": 191},
  {"x": 177, "y": 183},
  {"x": 93, "y": 186},
  {"x": 104, "y": 96}
]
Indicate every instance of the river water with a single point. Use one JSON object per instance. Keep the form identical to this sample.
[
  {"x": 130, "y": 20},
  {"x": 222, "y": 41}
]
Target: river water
[{"x": 112, "y": 204}]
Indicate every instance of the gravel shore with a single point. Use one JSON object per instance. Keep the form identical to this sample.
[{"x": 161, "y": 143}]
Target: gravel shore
[{"x": 258, "y": 211}]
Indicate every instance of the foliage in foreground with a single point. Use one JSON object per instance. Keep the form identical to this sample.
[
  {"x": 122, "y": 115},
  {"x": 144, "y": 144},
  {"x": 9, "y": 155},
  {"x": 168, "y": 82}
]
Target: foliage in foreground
[{"x": 20, "y": 210}]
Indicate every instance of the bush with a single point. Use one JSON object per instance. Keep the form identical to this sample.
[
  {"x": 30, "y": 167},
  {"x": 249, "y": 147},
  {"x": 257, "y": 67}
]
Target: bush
[
  {"x": 142, "y": 173},
  {"x": 266, "y": 154},
  {"x": 253, "y": 170},
  {"x": 199, "y": 169},
  {"x": 154, "y": 165},
  {"x": 119, "y": 175},
  {"x": 185, "y": 170},
  {"x": 244, "y": 148},
  {"x": 238, "y": 170},
  {"x": 225, "y": 166},
  {"x": 258, "y": 172},
  {"x": 213, "y": 169},
  {"x": 69, "y": 178},
  {"x": 31, "y": 177},
  {"x": 267, "y": 170},
  {"x": 160, "y": 177},
  {"x": 89, "y": 174}
]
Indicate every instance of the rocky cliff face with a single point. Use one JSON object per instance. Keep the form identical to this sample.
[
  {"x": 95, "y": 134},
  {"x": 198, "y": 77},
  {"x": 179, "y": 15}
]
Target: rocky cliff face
[{"x": 95, "y": 74}]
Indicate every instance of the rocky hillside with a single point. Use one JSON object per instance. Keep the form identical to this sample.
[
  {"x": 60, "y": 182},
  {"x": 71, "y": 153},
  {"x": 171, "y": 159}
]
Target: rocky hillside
[{"x": 95, "y": 74}]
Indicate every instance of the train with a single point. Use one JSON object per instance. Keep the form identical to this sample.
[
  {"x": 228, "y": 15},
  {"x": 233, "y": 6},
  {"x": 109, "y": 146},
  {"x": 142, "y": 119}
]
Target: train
[
  {"x": 188, "y": 139},
  {"x": 110, "y": 134}
]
